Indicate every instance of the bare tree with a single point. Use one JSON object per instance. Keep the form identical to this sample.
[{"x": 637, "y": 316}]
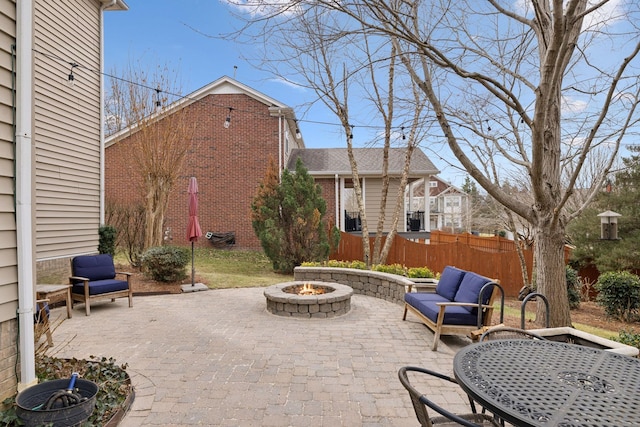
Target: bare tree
[
  {"x": 160, "y": 137},
  {"x": 332, "y": 64},
  {"x": 551, "y": 86}
]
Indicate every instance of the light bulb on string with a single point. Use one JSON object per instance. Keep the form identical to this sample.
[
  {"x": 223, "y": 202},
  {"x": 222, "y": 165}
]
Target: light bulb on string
[
  {"x": 298, "y": 134},
  {"x": 71, "y": 79},
  {"x": 158, "y": 102},
  {"x": 227, "y": 121}
]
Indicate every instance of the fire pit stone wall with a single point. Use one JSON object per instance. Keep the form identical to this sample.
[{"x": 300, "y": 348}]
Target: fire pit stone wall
[
  {"x": 335, "y": 301},
  {"x": 389, "y": 287}
]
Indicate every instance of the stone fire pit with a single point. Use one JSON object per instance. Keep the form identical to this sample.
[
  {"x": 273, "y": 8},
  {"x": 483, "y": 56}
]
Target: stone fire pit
[{"x": 283, "y": 299}]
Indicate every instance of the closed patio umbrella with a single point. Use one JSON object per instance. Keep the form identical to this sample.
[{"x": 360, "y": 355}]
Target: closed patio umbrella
[{"x": 193, "y": 226}]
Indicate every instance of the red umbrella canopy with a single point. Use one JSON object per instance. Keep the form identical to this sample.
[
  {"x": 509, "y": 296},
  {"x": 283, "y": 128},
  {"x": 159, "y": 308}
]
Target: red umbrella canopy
[{"x": 193, "y": 227}]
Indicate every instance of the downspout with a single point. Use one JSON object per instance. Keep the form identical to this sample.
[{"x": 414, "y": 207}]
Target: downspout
[
  {"x": 102, "y": 189},
  {"x": 336, "y": 182},
  {"x": 23, "y": 171}
]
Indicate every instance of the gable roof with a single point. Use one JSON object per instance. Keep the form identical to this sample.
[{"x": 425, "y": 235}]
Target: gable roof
[
  {"x": 332, "y": 161},
  {"x": 223, "y": 86}
]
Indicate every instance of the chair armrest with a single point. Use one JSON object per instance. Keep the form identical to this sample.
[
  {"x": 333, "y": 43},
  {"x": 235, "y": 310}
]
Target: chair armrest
[
  {"x": 462, "y": 304},
  {"x": 124, "y": 272},
  {"x": 429, "y": 286},
  {"x": 82, "y": 279}
]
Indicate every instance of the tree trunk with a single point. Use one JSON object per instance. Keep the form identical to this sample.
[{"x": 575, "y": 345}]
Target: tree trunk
[{"x": 551, "y": 276}]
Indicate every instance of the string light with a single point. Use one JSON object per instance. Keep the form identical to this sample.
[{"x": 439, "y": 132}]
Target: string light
[
  {"x": 227, "y": 121},
  {"x": 298, "y": 134},
  {"x": 71, "y": 78},
  {"x": 158, "y": 103},
  {"x": 178, "y": 97}
]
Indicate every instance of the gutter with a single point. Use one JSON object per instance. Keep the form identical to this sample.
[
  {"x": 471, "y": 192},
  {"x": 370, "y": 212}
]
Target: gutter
[
  {"x": 102, "y": 168},
  {"x": 24, "y": 192}
]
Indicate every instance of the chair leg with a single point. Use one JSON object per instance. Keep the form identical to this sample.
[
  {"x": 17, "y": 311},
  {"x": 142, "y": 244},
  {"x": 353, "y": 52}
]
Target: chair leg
[
  {"x": 436, "y": 338},
  {"x": 49, "y": 335},
  {"x": 87, "y": 307},
  {"x": 404, "y": 315}
]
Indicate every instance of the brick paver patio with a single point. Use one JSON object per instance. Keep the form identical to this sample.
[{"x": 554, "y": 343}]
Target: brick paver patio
[{"x": 219, "y": 358}]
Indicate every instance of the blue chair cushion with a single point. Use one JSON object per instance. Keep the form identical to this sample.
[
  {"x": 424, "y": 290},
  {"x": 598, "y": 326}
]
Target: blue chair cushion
[
  {"x": 452, "y": 315},
  {"x": 99, "y": 287},
  {"x": 469, "y": 290},
  {"x": 417, "y": 298},
  {"x": 94, "y": 267},
  {"x": 42, "y": 312},
  {"x": 449, "y": 282}
]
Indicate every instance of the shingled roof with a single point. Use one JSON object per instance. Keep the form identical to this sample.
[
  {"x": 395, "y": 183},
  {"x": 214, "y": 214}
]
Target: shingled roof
[{"x": 331, "y": 161}]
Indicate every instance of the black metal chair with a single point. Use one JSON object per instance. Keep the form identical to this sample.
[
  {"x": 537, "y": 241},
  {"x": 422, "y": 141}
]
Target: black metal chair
[
  {"x": 421, "y": 402},
  {"x": 508, "y": 333}
]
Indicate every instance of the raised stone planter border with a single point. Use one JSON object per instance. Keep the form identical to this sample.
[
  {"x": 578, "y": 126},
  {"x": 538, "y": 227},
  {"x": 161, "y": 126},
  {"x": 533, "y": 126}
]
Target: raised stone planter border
[{"x": 389, "y": 287}]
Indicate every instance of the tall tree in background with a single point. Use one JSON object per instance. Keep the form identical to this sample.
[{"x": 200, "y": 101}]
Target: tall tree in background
[
  {"x": 341, "y": 69},
  {"x": 550, "y": 81},
  {"x": 136, "y": 106}
]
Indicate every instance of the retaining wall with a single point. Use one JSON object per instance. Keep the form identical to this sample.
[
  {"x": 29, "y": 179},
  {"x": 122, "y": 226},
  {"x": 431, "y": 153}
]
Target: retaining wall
[{"x": 389, "y": 287}]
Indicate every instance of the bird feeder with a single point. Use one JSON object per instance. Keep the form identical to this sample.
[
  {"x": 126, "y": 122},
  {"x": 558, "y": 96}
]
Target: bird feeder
[{"x": 609, "y": 225}]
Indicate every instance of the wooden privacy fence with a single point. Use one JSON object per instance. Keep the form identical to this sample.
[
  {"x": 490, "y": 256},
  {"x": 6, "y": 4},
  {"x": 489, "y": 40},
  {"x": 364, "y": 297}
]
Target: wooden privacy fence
[{"x": 493, "y": 260}]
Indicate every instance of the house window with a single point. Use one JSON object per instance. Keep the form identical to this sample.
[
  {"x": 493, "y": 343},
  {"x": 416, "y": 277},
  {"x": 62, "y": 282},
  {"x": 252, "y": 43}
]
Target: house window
[
  {"x": 453, "y": 202},
  {"x": 433, "y": 184}
]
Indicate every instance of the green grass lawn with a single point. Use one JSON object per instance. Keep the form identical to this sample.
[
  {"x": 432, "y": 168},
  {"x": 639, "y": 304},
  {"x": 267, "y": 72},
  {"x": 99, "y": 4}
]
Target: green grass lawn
[
  {"x": 222, "y": 268},
  {"x": 530, "y": 315}
]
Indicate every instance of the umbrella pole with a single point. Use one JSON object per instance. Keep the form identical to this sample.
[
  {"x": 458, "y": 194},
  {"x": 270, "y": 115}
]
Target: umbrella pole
[{"x": 193, "y": 267}]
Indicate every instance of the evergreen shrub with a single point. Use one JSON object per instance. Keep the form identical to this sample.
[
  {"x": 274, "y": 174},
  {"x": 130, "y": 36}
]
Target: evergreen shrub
[
  {"x": 619, "y": 295},
  {"x": 165, "y": 263}
]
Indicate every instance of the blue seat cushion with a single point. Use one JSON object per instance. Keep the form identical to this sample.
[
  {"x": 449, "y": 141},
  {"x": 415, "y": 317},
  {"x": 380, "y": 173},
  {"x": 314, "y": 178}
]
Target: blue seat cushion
[
  {"x": 449, "y": 282},
  {"x": 99, "y": 287},
  {"x": 469, "y": 290},
  {"x": 94, "y": 267},
  {"x": 417, "y": 298},
  {"x": 452, "y": 315}
]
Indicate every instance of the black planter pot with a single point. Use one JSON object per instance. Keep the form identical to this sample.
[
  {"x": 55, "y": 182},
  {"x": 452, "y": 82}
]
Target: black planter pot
[{"x": 30, "y": 400}]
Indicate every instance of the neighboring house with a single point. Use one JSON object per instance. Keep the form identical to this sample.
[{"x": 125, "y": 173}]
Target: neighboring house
[
  {"x": 331, "y": 170},
  {"x": 228, "y": 162},
  {"x": 51, "y": 157},
  {"x": 449, "y": 207}
]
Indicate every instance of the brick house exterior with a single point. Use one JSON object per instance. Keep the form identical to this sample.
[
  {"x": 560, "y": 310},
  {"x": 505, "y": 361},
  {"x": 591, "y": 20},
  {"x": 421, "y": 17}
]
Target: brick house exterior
[{"x": 229, "y": 163}]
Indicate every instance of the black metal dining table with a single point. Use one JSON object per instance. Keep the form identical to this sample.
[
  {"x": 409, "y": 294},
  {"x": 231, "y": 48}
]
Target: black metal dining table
[{"x": 546, "y": 383}]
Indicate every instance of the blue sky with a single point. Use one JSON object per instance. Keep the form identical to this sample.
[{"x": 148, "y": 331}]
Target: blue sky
[
  {"x": 183, "y": 36},
  {"x": 172, "y": 33}
]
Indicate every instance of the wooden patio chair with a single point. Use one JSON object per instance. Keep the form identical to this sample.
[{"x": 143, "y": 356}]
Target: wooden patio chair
[
  {"x": 41, "y": 321},
  {"x": 94, "y": 278}
]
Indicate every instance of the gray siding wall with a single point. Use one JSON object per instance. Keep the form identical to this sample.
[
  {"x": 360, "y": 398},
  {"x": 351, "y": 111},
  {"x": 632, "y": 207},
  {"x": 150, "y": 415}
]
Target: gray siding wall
[
  {"x": 373, "y": 197},
  {"x": 8, "y": 251},
  {"x": 67, "y": 127}
]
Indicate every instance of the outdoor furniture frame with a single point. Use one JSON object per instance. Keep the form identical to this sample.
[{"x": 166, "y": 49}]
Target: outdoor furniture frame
[
  {"x": 462, "y": 303},
  {"x": 94, "y": 278},
  {"x": 42, "y": 322},
  {"x": 421, "y": 402},
  {"x": 507, "y": 333}
]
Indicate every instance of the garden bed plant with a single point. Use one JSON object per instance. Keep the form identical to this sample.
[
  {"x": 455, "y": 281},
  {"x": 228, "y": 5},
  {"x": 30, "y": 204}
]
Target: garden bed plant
[{"x": 114, "y": 395}]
